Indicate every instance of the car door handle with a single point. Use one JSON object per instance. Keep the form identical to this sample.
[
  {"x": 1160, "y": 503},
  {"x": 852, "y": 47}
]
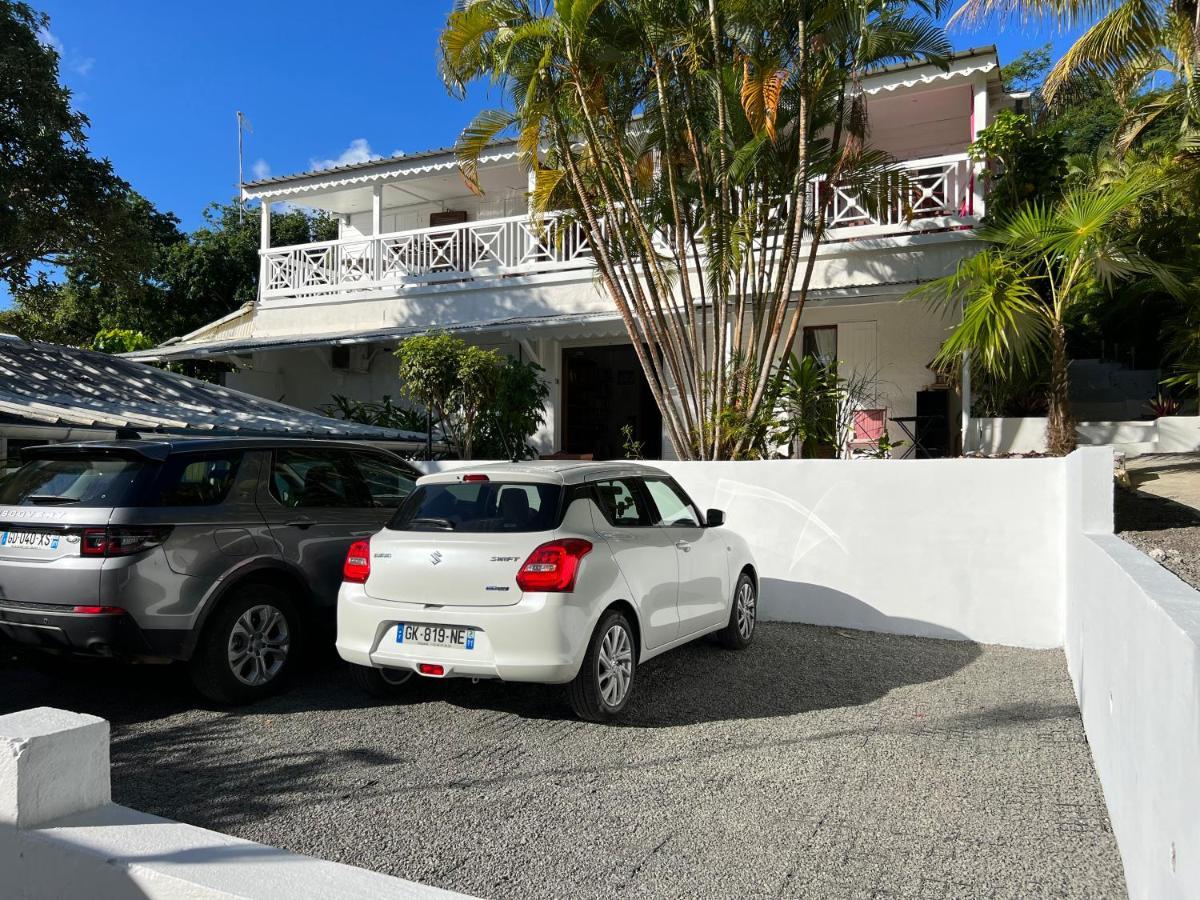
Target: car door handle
[
  {"x": 301, "y": 523},
  {"x": 685, "y": 546}
]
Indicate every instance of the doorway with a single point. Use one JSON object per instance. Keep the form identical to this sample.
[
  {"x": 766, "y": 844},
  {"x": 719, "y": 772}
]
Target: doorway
[{"x": 605, "y": 389}]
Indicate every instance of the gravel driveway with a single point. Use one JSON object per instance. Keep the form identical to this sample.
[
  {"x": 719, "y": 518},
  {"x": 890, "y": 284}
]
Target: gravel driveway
[{"x": 820, "y": 762}]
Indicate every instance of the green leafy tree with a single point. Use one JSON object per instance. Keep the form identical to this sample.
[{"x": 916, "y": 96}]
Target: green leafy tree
[
  {"x": 1028, "y": 163},
  {"x": 1127, "y": 46},
  {"x": 704, "y": 121},
  {"x": 514, "y": 414},
  {"x": 58, "y": 200},
  {"x": 452, "y": 378},
  {"x": 1038, "y": 265},
  {"x": 159, "y": 280},
  {"x": 121, "y": 340}
]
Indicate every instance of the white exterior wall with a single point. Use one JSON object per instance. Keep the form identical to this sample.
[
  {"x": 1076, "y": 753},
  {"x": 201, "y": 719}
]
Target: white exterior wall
[
  {"x": 1133, "y": 650},
  {"x": 61, "y": 837},
  {"x": 1169, "y": 434},
  {"x": 956, "y": 548}
]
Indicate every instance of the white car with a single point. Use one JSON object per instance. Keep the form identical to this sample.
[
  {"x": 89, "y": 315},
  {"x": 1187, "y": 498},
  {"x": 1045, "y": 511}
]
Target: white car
[{"x": 553, "y": 572}]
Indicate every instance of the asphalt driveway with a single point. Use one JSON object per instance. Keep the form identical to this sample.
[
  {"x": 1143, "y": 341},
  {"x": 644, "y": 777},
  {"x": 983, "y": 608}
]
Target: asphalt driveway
[{"x": 820, "y": 762}]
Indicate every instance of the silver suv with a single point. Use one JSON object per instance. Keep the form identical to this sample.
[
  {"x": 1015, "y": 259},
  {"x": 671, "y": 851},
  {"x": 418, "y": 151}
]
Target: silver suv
[{"x": 226, "y": 553}]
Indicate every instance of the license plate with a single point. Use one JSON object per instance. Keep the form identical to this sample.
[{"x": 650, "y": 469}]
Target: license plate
[
  {"x": 29, "y": 540},
  {"x": 436, "y": 636}
]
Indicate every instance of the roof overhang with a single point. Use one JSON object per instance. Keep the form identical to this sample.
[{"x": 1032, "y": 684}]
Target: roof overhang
[
  {"x": 211, "y": 349},
  {"x": 397, "y": 168},
  {"x": 981, "y": 61}
]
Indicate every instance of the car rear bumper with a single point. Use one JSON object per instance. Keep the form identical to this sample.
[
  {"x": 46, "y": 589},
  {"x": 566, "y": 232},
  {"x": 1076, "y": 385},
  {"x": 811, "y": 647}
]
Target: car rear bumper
[
  {"x": 541, "y": 639},
  {"x": 46, "y": 627}
]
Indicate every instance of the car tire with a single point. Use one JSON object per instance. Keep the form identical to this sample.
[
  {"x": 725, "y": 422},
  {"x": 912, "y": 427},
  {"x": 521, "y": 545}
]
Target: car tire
[
  {"x": 249, "y": 646},
  {"x": 743, "y": 615},
  {"x": 605, "y": 680},
  {"x": 382, "y": 683}
]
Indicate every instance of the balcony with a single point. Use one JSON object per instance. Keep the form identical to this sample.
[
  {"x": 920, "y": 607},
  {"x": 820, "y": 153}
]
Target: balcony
[{"x": 939, "y": 194}]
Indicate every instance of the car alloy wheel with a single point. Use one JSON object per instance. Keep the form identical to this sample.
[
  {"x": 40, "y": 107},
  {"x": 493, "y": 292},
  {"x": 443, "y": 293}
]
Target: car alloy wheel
[
  {"x": 258, "y": 645},
  {"x": 747, "y": 609},
  {"x": 614, "y": 665}
]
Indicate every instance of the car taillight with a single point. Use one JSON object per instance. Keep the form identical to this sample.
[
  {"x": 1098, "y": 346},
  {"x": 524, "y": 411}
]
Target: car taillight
[
  {"x": 475, "y": 476},
  {"x": 120, "y": 540},
  {"x": 553, "y": 566},
  {"x": 358, "y": 563}
]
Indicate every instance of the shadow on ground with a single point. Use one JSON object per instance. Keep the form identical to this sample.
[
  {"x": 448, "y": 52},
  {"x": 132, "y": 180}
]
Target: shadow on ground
[{"x": 1138, "y": 511}]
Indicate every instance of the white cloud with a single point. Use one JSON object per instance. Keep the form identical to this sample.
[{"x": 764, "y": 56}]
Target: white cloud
[
  {"x": 359, "y": 151},
  {"x": 47, "y": 38},
  {"x": 260, "y": 170},
  {"x": 80, "y": 65}
]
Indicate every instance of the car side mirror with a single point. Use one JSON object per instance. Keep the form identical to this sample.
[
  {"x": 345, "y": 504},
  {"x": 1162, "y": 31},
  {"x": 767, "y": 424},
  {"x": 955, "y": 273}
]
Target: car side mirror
[{"x": 714, "y": 518}]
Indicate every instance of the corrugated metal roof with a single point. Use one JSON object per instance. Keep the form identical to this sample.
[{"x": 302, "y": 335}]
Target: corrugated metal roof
[{"x": 53, "y": 385}]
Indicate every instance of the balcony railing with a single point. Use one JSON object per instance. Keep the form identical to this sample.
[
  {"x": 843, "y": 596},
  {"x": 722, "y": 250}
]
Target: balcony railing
[
  {"x": 441, "y": 253},
  {"x": 938, "y": 193}
]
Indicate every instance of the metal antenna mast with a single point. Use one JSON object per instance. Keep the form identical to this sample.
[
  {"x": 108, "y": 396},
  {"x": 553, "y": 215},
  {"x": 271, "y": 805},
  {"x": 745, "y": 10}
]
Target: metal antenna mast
[{"x": 242, "y": 125}]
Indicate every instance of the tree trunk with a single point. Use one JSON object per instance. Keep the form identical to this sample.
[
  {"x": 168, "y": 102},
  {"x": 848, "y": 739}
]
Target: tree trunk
[{"x": 1060, "y": 426}]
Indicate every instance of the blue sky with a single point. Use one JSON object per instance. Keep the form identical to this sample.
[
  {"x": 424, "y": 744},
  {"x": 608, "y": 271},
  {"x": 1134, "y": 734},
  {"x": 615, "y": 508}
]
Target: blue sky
[{"x": 318, "y": 82}]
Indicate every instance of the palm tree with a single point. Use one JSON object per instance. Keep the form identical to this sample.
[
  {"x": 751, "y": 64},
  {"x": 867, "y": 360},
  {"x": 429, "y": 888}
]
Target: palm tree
[
  {"x": 682, "y": 137},
  {"x": 1015, "y": 295},
  {"x": 1128, "y": 45}
]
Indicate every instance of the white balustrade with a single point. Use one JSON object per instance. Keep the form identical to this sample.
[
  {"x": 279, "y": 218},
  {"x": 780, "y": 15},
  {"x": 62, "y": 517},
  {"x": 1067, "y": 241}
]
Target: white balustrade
[{"x": 928, "y": 194}]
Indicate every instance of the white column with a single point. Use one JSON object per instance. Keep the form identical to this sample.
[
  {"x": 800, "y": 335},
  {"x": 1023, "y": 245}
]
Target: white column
[
  {"x": 377, "y": 209},
  {"x": 979, "y": 121},
  {"x": 376, "y": 230},
  {"x": 967, "y": 442},
  {"x": 264, "y": 244}
]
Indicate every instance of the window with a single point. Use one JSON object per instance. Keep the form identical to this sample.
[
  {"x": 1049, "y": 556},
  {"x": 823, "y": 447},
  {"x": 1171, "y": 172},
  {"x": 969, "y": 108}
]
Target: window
[
  {"x": 78, "y": 481},
  {"x": 317, "y": 479},
  {"x": 480, "y": 506},
  {"x": 821, "y": 343},
  {"x": 188, "y": 480},
  {"x": 387, "y": 483},
  {"x": 622, "y": 503},
  {"x": 674, "y": 509}
]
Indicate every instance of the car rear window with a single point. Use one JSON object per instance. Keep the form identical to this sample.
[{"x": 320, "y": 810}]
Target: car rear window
[
  {"x": 480, "y": 507},
  {"x": 105, "y": 481},
  {"x": 190, "y": 480}
]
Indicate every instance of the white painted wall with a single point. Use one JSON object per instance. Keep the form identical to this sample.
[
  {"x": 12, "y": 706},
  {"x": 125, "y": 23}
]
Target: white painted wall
[
  {"x": 956, "y": 548},
  {"x": 61, "y": 837},
  {"x": 1133, "y": 650},
  {"x": 1169, "y": 434}
]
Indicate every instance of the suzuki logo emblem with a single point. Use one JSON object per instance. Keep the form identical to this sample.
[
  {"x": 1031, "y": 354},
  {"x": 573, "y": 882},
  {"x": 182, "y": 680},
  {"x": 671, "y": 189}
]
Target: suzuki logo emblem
[{"x": 435, "y": 557}]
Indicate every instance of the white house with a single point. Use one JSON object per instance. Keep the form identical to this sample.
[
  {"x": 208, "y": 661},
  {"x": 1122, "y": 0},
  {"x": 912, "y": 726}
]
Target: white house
[{"x": 416, "y": 251}]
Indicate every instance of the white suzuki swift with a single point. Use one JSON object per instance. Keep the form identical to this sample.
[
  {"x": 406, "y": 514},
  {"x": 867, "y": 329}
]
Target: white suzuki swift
[{"x": 560, "y": 573}]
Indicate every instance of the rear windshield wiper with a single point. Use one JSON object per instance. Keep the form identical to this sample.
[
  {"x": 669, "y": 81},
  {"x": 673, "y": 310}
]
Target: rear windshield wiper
[
  {"x": 440, "y": 524},
  {"x": 49, "y": 499}
]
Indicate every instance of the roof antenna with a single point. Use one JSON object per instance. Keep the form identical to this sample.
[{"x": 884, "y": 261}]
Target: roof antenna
[{"x": 125, "y": 433}]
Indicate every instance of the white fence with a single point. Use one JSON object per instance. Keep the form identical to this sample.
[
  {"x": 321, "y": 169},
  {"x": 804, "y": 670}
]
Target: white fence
[
  {"x": 1169, "y": 434},
  {"x": 1133, "y": 650}
]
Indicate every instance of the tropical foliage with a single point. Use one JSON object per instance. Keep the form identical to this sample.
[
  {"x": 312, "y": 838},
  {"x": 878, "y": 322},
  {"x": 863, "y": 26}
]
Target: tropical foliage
[
  {"x": 1038, "y": 265},
  {"x": 682, "y": 136},
  {"x": 487, "y": 405},
  {"x": 1128, "y": 45}
]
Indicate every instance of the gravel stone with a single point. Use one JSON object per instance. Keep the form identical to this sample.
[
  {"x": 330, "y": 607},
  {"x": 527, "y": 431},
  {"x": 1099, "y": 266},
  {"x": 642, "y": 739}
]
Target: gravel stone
[
  {"x": 1165, "y": 530},
  {"x": 820, "y": 762}
]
